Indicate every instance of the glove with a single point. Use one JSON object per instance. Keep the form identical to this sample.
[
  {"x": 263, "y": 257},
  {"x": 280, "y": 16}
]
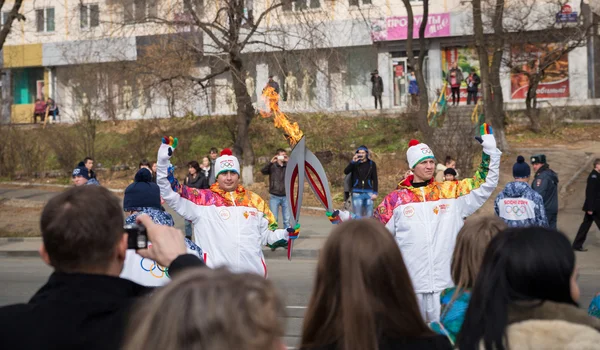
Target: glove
[
  {"x": 294, "y": 232},
  {"x": 487, "y": 139},
  {"x": 334, "y": 217},
  {"x": 165, "y": 152}
]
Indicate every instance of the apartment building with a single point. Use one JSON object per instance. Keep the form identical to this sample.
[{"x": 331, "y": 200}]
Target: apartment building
[{"x": 87, "y": 54}]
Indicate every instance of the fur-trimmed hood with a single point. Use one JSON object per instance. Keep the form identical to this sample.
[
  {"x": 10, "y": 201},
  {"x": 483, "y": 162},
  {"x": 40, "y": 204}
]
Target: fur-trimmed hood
[{"x": 550, "y": 326}]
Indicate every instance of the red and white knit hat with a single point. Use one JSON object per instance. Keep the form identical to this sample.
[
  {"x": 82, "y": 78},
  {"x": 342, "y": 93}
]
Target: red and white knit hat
[
  {"x": 417, "y": 152},
  {"x": 226, "y": 162}
]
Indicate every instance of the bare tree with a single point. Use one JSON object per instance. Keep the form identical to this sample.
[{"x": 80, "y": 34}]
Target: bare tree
[{"x": 13, "y": 15}]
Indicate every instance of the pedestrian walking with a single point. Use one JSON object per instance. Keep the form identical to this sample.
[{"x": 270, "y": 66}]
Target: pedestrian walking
[
  {"x": 377, "y": 88},
  {"x": 545, "y": 182},
  {"x": 591, "y": 207},
  {"x": 364, "y": 182},
  {"x": 413, "y": 90},
  {"x": 518, "y": 204},
  {"x": 473, "y": 82},
  {"x": 455, "y": 79}
]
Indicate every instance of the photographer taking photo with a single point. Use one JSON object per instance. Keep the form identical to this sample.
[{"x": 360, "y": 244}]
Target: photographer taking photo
[
  {"x": 84, "y": 304},
  {"x": 364, "y": 182}
]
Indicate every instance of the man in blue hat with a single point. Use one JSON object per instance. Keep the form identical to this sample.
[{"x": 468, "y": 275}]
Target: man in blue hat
[
  {"x": 81, "y": 177},
  {"x": 545, "y": 183},
  {"x": 518, "y": 204}
]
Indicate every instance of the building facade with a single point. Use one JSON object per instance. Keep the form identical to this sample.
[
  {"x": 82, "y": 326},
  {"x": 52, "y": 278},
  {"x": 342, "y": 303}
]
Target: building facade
[{"x": 114, "y": 59}]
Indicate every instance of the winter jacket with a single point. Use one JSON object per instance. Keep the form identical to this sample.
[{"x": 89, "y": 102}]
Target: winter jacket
[
  {"x": 145, "y": 271},
  {"x": 232, "y": 227},
  {"x": 473, "y": 83},
  {"x": 520, "y": 206},
  {"x": 439, "y": 172},
  {"x": 453, "y": 312},
  {"x": 77, "y": 311},
  {"x": 551, "y": 325},
  {"x": 425, "y": 221},
  {"x": 364, "y": 176},
  {"x": 200, "y": 181},
  {"x": 458, "y": 75},
  {"x": 377, "y": 88},
  {"x": 592, "y": 192},
  {"x": 433, "y": 342},
  {"x": 276, "y": 174},
  {"x": 545, "y": 183},
  {"x": 92, "y": 182},
  {"x": 413, "y": 86}
]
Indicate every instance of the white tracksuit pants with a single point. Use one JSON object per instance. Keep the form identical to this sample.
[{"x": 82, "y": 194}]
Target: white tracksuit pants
[{"x": 429, "y": 304}]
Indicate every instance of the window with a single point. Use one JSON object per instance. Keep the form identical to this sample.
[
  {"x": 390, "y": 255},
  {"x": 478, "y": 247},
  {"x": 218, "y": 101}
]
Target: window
[
  {"x": 5, "y": 17},
  {"x": 89, "y": 16},
  {"x": 300, "y": 5},
  {"x": 139, "y": 10},
  {"x": 359, "y": 3},
  {"x": 44, "y": 20}
]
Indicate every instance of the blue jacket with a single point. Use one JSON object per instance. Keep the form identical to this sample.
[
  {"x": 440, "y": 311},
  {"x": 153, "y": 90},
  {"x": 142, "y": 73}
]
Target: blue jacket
[{"x": 520, "y": 206}]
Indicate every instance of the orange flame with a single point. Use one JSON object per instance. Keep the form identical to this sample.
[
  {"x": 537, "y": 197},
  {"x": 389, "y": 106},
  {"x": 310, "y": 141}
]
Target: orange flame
[{"x": 293, "y": 134}]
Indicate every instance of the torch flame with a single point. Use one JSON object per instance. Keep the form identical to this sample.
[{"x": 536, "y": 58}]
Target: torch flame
[{"x": 293, "y": 134}]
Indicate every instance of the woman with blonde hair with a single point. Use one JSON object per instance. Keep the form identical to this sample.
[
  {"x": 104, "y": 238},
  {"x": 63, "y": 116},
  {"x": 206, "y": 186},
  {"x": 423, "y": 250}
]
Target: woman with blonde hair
[
  {"x": 471, "y": 242},
  {"x": 363, "y": 297},
  {"x": 209, "y": 310}
]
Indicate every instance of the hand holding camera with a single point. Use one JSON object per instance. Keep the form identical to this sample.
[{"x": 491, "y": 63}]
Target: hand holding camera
[{"x": 167, "y": 242}]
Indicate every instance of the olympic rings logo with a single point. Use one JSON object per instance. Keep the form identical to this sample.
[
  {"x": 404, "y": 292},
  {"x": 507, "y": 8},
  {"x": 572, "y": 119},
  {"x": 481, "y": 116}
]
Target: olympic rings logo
[
  {"x": 227, "y": 164},
  {"x": 516, "y": 209},
  {"x": 426, "y": 150},
  {"x": 164, "y": 271}
]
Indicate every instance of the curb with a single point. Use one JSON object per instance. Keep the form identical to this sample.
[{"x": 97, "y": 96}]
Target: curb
[{"x": 20, "y": 254}]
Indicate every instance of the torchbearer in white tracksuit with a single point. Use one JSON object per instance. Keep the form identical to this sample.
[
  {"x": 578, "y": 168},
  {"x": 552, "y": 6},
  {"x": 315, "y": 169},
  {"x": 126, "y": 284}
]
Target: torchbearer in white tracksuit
[
  {"x": 231, "y": 223},
  {"x": 425, "y": 216}
]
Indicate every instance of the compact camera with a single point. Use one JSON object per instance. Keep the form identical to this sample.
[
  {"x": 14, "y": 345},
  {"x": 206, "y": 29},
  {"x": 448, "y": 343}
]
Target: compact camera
[{"x": 137, "y": 236}]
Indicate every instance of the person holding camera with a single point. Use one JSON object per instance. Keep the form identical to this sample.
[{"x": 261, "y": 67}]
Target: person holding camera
[
  {"x": 143, "y": 197},
  {"x": 364, "y": 182},
  {"x": 231, "y": 223},
  {"x": 84, "y": 304}
]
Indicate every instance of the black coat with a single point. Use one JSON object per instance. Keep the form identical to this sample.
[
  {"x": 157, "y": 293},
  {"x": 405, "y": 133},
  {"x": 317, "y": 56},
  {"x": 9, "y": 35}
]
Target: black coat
[
  {"x": 545, "y": 183},
  {"x": 592, "y": 192},
  {"x": 377, "y": 88},
  {"x": 276, "y": 178},
  {"x": 76, "y": 311},
  {"x": 364, "y": 176},
  {"x": 200, "y": 181},
  {"x": 437, "y": 342}
]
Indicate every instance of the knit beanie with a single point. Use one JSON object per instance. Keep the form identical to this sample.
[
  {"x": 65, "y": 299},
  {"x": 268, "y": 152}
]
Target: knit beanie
[
  {"x": 226, "y": 162},
  {"x": 142, "y": 193},
  {"x": 521, "y": 169},
  {"x": 417, "y": 152},
  {"x": 81, "y": 171}
]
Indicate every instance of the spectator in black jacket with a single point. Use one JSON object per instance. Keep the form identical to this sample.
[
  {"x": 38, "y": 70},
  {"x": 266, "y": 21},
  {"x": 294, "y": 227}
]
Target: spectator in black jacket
[
  {"x": 84, "y": 304},
  {"x": 88, "y": 162},
  {"x": 276, "y": 171},
  {"x": 364, "y": 182},
  {"x": 591, "y": 207},
  {"x": 196, "y": 178}
]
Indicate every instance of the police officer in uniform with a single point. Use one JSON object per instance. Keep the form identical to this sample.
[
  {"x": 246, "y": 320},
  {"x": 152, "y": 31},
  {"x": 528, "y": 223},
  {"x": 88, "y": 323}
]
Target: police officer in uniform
[
  {"x": 591, "y": 207},
  {"x": 545, "y": 183}
]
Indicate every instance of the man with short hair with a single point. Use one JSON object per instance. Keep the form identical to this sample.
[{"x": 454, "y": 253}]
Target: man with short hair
[
  {"x": 231, "y": 223},
  {"x": 81, "y": 177},
  {"x": 425, "y": 216},
  {"x": 545, "y": 182},
  {"x": 591, "y": 207},
  {"x": 213, "y": 155},
  {"x": 518, "y": 204},
  {"x": 84, "y": 304},
  {"x": 88, "y": 162}
]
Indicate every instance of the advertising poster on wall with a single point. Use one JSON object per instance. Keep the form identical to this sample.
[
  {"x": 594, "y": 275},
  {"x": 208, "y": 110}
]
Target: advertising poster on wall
[
  {"x": 555, "y": 83},
  {"x": 396, "y": 28},
  {"x": 467, "y": 60}
]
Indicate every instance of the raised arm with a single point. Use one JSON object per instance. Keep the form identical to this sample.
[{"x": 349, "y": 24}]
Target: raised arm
[
  {"x": 473, "y": 192},
  {"x": 182, "y": 206}
]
